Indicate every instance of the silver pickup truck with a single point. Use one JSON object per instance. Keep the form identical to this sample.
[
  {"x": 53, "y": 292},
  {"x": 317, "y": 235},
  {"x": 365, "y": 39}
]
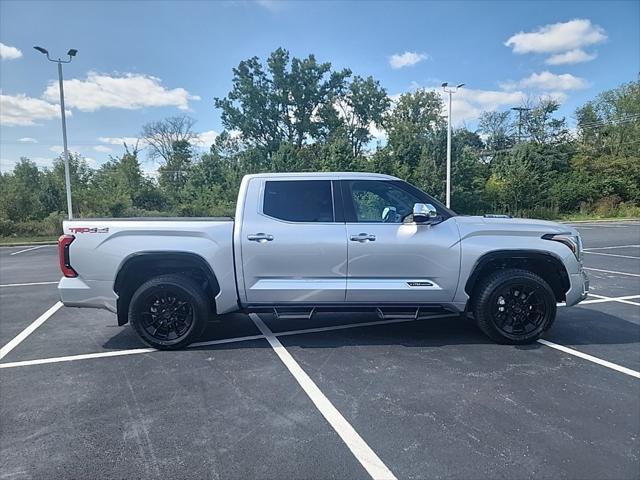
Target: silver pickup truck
[{"x": 308, "y": 242}]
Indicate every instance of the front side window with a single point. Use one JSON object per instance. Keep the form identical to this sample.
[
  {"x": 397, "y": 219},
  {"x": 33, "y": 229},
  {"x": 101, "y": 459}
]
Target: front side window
[
  {"x": 299, "y": 200},
  {"x": 380, "y": 202}
]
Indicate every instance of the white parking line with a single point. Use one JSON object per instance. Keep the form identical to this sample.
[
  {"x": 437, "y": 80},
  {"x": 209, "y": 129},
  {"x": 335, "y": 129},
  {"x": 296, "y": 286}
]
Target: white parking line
[
  {"x": 612, "y": 271},
  {"x": 115, "y": 353},
  {"x": 591, "y": 358},
  {"x": 609, "y": 248},
  {"x": 611, "y": 255},
  {"x": 26, "y": 284},
  {"x": 71, "y": 358},
  {"x": 24, "y": 363},
  {"x": 29, "y": 330},
  {"x": 365, "y": 455},
  {"x": 118, "y": 353},
  {"x": 602, "y": 298},
  {"x": 31, "y": 248}
]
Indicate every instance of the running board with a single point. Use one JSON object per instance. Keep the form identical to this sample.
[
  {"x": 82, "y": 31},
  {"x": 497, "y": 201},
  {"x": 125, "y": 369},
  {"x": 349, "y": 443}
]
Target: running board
[
  {"x": 384, "y": 312},
  {"x": 415, "y": 313},
  {"x": 293, "y": 314}
]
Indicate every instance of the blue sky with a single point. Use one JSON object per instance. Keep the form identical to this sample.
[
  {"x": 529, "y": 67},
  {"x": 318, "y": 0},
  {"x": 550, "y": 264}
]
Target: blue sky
[{"x": 143, "y": 61}]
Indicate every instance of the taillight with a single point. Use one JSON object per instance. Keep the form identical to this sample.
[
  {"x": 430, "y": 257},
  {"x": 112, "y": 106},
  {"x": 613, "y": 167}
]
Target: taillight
[{"x": 63, "y": 255}]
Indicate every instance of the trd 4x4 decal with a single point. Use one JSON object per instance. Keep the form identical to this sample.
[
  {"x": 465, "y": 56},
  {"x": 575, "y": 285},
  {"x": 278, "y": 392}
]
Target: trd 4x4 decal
[{"x": 89, "y": 229}]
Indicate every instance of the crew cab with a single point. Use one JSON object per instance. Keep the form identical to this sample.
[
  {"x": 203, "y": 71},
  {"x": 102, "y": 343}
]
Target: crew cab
[{"x": 302, "y": 243}]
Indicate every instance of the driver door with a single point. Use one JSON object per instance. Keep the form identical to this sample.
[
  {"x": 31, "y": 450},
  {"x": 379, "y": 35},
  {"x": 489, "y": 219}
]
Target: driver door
[{"x": 394, "y": 262}]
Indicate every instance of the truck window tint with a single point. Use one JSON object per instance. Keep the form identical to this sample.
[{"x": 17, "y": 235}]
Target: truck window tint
[
  {"x": 299, "y": 200},
  {"x": 381, "y": 202}
]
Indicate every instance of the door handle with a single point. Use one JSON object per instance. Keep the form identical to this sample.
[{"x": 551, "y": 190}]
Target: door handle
[
  {"x": 363, "y": 237},
  {"x": 260, "y": 237}
]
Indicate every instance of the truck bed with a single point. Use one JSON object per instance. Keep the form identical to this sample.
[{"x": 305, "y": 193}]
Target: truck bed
[{"x": 154, "y": 219}]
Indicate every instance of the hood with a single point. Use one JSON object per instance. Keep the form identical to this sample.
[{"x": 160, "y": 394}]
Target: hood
[{"x": 524, "y": 226}]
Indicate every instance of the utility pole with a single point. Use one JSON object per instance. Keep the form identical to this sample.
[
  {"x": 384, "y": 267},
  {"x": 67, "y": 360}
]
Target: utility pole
[
  {"x": 450, "y": 91},
  {"x": 67, "y": 176},
  {"x": 520, "y": 110}
]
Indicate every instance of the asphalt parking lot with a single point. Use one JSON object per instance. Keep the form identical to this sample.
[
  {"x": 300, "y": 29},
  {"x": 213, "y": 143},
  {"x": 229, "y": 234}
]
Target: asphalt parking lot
[{"x": 338, "y": 396}]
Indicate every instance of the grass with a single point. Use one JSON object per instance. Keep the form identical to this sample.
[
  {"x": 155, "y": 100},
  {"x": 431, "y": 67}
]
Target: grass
[
  {"x": 594, "y": 216},
  {"x": 27, "y": 240}
]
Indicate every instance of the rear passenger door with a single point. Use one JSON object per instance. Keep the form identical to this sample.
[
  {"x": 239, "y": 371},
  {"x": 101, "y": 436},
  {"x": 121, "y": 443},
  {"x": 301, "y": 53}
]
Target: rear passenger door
[{"x": 294, "y": 245}]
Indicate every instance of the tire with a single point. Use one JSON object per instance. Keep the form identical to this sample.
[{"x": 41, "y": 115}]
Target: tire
[
  {"x": 514, "y": 306},
  {"x": 169, "y": 312}
]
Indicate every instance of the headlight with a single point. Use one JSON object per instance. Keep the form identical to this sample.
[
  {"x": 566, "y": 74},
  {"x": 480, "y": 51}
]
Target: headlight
[{"x": 574, "y": 242}]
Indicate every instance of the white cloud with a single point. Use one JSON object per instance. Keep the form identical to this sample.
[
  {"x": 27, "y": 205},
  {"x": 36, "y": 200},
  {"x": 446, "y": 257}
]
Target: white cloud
[
  {"x": 129, "y": 91},
  {"x": 73, "y": 149},
  {"x": 557, "y": 37},
  {"x": 119, "y": 141},
  {"x": 22, "y": 110},
  {"x": 559, "y": 97},
  {"x": 7, "y": 165},
  {"x": 205, "y": 139},
  {"x": 271, "y": 5},
  {"x": 102, "y": 149},
  {"x": 92, "y": 162},
  {"x": 378, "y": 134},
  {"x": 27, "y": 140},
  {"x": 406, "y": 59},
  {"x": 572, "y": 56},
  {"x": 9, "y": 53},
  {"x": 467, "y": 104},
  {"x": 548, "y": 81}
]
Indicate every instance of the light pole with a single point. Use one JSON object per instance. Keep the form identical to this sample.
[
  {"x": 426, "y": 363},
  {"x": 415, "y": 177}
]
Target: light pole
[
  {"x": 520, "y": 110},
  {"x": 67, "y": 177},
  {"x": 450, "y": 91}
]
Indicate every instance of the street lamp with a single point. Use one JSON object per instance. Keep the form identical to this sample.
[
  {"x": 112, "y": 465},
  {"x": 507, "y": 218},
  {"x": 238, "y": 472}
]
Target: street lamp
[
  {"x": 450, "y": 91},
  {"x": 67, "y": 178}
]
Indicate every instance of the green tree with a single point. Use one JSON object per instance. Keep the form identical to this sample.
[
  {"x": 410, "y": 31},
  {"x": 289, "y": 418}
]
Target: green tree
[
  {"x": 361, "y": 108},
  {"x": 289, "y": 101},
  {"x": 173, "y": 174},
  {"x": 22, "y": 192}
]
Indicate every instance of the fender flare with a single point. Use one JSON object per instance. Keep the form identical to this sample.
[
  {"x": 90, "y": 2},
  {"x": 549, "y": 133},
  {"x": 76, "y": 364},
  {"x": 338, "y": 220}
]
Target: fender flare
[
  {"x": 167, "y": 260},
  {"x": 538, "y": 257}
]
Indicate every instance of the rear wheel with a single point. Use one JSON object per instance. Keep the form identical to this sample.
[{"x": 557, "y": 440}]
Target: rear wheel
[
  {"x": 169, "y": 312},
  {"x": 514, "y": 306}
]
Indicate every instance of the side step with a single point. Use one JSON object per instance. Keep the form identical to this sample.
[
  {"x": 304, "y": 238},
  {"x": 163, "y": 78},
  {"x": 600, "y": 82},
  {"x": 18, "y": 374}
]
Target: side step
[
  {"x": 409, "y": 313},
  {"x": 385, "y": 312},
  {"x": 293, "y": 313}
]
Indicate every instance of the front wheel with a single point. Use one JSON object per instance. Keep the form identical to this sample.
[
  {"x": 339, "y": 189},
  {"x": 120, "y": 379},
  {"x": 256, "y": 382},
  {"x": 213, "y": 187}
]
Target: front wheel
[
  {"x": 169, "y": 312},
  {"x": 514, "y": 306}
]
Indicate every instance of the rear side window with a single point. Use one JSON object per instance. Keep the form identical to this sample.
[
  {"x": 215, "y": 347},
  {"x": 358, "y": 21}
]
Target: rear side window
[{"x": 299, "y": 200}]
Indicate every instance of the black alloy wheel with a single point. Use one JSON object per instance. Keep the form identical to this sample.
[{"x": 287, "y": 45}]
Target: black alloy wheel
[
  {"x": 170, "y": 311},
  {"x": 167, "y": 314},
  {"x": 520, "y": 307},
  {"x": 514, "y": 306}
]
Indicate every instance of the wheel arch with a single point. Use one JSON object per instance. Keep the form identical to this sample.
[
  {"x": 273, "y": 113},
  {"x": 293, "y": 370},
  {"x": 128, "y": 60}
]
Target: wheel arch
[
  {"x": 544, "y": 264},
  {"x": 142, "y": 266}
]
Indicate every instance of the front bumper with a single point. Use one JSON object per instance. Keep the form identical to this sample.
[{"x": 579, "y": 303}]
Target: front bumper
[
  {"x": 76, "y": 292},
  {"x": 579, "y": 288}
]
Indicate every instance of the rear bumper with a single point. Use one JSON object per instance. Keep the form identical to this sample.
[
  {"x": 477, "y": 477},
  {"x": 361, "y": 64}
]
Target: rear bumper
[
  {"x": 579, "y": 288},
  {"x": 76, "y": 292}
]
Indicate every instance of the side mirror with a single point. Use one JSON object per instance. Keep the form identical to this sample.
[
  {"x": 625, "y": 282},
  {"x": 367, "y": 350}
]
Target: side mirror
[{"x": 424, "y": 212}]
